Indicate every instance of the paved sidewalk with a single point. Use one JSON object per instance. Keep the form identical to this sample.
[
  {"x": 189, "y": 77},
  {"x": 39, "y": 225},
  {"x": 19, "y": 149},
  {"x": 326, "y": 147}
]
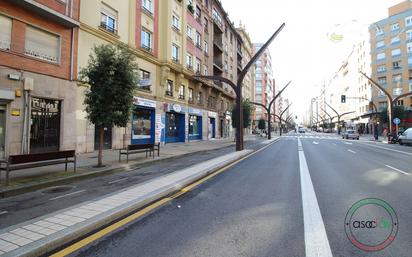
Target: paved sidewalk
[
  {"x": 43, "y": 234},
  {"x": 87, "y": 161}
]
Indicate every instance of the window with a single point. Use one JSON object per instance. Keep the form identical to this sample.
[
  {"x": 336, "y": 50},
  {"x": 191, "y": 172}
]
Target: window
[
  {"x": 380, "y": 56},
  {"x": 381, "y": 68},
  {"x": 397, "y": 91},
  {"x": 410, "y": 60},
  {"x": 382, "y": 80},
  {"x": 5, "y": 32},
  {"x": 198, "y": 39},
  {"x": 182, "y": 92},
  {"x": 206, "y": 24},
  {"x": 410, "y": 87},
  {"x": 189, "y": 32},
  {"x": 395, "y": 26},
  {"x": 175, "y": 53},
  {"x": 190, "y": 95},
  {"x": 175, "y": 22},
  {"x": 408, "y": 21},
  {"x": 189, "y": 61},
  {"x": 169, "y": 88},
  {"x": 205, "y": 70},
  {"x": 409, "y": 47},
  {"x": 395, "y": 40},
  {"x": 144, "y": 80},
  {"x": 397, "y": 77},
  {"x": 409, "y": 34},
  {"x": 198, "y": 66},
  {"x": 399, "y": 103},
  {"x": 108, "y": 19},
  {"x": 379, "y": 31},
  {"x": 42, "y": 45},
  {"x": 147, "y": 5},
  {"x": 396, "y": 65},
  {"x": 198, "y": 13},
  {"x": 207, "y": 3},
  {"x": 206, "y": 47},
  {"x": 146, "y": 40},
  {"x": 396, "y": 52},
  {"x": 380, "y": 44},
  {"x": 199, "y": 98}
]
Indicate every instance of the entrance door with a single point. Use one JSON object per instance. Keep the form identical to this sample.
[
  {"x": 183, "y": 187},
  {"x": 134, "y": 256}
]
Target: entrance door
[
  {"x": 2, "y": 131},
  {"x": 44, "y": 125},
  {"x": 212, "y": 128},
  {"x": 175, "y": 127},
  {"x": 107, "y": 138},
  {"x": 222, "y": 125}
]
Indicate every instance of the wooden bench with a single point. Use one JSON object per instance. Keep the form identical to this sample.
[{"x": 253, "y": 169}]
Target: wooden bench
[
  {"x": 149, "y": 149},
  {"x": 27, "y": 161}
]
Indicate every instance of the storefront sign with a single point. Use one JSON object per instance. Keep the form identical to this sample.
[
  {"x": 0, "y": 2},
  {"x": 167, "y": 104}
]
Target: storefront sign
[
  {"x": 177, "y": 107},
  {"x": 212, "y": 114},
  {"x": 144, "y": 102},
  {"x": 195, "y": 111}
]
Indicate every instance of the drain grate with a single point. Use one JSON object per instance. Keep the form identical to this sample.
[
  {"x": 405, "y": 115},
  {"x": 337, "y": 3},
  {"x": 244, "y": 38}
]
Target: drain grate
[{"x": 56, "y": 189}]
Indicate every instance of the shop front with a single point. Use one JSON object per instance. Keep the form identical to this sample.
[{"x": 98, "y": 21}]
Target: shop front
[
  {"x": 175, "y": 126},
  {"x": 195, "y": 124},
  {"x": 212, "y": 125},
  {"x": 143, "y": 121}
]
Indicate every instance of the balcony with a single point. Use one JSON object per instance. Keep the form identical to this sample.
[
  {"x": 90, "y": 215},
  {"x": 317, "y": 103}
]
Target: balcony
[
  {"x": 218, "y": 65},
  {"x": 217, "y": 42},
  {"x": 48, "y": 13}
]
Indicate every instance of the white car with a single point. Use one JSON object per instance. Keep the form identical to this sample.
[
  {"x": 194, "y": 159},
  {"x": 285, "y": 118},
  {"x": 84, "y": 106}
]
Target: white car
[{"x": 406, "y": 137}]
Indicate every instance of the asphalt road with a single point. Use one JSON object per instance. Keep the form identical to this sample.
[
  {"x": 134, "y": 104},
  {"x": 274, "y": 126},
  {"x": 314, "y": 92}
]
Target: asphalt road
[
  {"x": 20, "y": 208},
  {"x": 260, "y": 206}
]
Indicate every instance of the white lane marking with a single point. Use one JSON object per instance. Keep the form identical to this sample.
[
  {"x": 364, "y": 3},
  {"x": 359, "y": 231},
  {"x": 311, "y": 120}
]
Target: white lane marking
[
  {"x": 389, "y": 149},
  {"x": 316, "y": 239},
  {"x": 334, "y": 144},
  {"x": 348, "y": 143},
  {"x": 3, "y": 212},
  {"x": 351, "y": 151},
  {"x": 398, "y": 170},
  {"x": 117, "y": 181},
  {"x": 315, "y": 143},
  {"x": 70, "y": 194}
]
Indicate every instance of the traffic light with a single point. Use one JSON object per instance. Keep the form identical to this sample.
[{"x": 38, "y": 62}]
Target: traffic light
[{"x": 343, "y": 98}]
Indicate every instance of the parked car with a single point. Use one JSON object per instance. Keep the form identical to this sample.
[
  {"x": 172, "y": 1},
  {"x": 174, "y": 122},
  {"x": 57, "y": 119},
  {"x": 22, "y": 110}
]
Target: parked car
[
  {"x": 302, "y": 130},
  {"x": 406, "y": 137},
  {"x": 350, "y": 134}
]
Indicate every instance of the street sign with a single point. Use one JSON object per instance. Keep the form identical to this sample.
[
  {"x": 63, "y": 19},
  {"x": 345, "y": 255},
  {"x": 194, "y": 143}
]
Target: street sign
[{"x": 396, "y": 121}]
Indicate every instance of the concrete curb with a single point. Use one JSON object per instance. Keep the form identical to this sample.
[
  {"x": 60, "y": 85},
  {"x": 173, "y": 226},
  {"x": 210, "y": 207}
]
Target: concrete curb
[{"x": 70, "y": 234}]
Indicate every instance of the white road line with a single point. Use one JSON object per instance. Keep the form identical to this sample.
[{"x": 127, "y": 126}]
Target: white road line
[
  {"x": 316, "y": 239},
  {"x": 120, "y": 180},
  {"x": 347, "y": 143},
  {"x": 389, "y": 149},
  {"x": 315, "y": 143},
  {"x": 351, "y": 151},
  {"x": 3, "y": 212},
  {"x": 334, "y": 144},
  {"x": 398, "y": 170},
  {"x": 61, "y": 196}
]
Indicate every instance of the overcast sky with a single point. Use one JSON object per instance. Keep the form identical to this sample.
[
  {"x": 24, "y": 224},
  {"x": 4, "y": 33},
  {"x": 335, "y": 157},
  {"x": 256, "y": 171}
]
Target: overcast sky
[{"x": 303, "y": 52}]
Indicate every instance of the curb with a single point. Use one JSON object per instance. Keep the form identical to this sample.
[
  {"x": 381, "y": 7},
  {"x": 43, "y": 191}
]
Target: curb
[
  {"x": 59, "y": 181},
  {"x": 87, "y": 227}
]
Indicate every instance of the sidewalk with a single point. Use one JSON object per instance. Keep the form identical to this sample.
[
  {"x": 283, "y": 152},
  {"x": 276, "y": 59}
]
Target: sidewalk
[{"x": 86, "y": 162}]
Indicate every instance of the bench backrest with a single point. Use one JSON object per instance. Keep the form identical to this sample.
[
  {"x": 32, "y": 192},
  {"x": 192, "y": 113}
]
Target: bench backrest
[
  {"x": 36, "y": 157},
  {"x": 139, "y": 147}
]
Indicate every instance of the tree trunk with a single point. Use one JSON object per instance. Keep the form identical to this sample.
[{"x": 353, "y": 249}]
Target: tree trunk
[{"x": 101, "y": 143}]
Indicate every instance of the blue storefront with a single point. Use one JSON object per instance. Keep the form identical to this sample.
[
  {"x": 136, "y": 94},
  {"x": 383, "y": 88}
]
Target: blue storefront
[
  {"x": 195, "y": 124},
  {"x": 143, "y": 121},
  {"x": 175, "y": 126}
]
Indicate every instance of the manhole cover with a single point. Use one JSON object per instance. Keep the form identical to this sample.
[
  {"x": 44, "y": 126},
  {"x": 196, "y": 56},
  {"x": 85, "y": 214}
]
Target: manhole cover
[{"x": 57, "y": 189}]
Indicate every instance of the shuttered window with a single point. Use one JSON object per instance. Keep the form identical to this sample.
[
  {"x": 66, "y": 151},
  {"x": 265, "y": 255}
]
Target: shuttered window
[
  {"x": 5, "y": 32},
  {"x": 42, "y": 45}
]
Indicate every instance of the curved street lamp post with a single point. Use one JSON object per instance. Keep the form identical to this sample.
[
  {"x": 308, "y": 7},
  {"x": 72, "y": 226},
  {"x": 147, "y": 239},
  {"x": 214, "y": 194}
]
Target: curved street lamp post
[{"x": 238, "y": 88}]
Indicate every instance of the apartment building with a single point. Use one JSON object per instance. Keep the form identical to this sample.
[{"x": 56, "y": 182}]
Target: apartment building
[
  {"x": 391, "y": 55},
  {"x": 38, "y": 59},
  {"x": 173, "y": 41},
  {"x": 264, "y": 83}
]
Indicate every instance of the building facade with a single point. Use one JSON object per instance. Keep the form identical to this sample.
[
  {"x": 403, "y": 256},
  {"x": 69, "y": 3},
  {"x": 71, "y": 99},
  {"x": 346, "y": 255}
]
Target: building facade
[
  {"x": 173, "y": 41},
  {"x": 38, "y": 59},
  {"x": 391, "y": 55},
  {"x": 264, "y": 83}
]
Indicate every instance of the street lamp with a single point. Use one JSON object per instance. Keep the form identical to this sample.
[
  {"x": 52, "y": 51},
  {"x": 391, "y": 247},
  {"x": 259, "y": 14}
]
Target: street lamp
[{"x": 238, "y": 87}]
